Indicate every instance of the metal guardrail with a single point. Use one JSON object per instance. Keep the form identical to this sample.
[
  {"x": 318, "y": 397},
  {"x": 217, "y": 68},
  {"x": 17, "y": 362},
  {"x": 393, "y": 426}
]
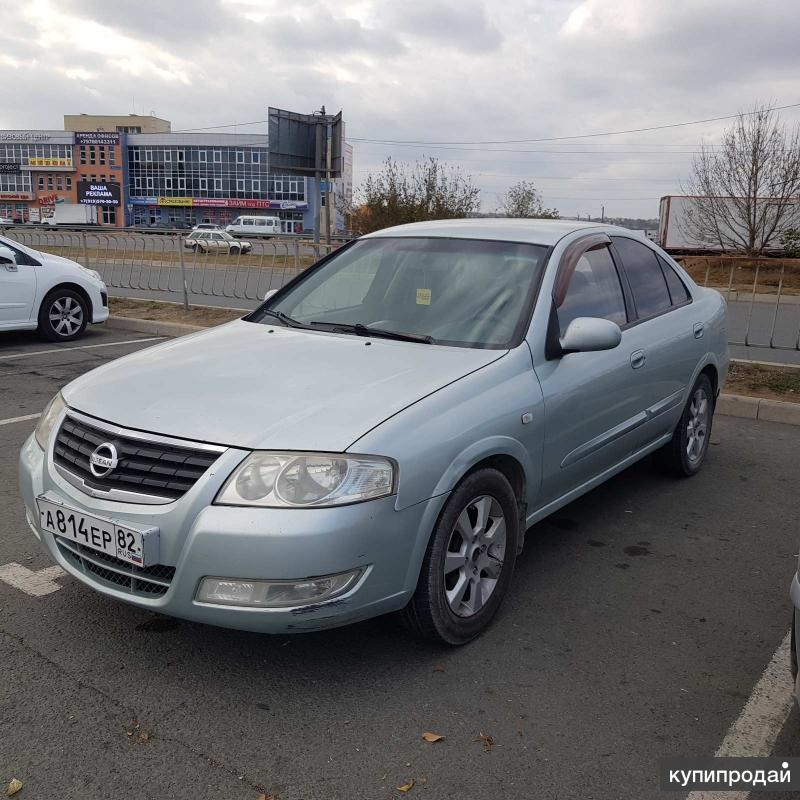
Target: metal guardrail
[
  {"x": 763, "y": 296},
  {"x": 163, "y": 263}
]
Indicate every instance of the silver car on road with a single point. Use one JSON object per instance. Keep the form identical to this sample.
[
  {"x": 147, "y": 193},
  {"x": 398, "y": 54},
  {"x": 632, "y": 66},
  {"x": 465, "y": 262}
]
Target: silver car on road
[{"x": 380, "y": 433}]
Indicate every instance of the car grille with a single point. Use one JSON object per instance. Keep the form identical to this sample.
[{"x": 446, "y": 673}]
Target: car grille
[
  {"x": 145, "y": 467},
  {"x": 151, "y": 581}
]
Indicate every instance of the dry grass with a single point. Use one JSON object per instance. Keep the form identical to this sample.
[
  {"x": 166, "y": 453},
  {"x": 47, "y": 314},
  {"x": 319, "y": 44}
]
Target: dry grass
[
  {"x": 739, "y": 273},
  {"x": 774, "y": 383},
  {"x": 207, "y": 316}
]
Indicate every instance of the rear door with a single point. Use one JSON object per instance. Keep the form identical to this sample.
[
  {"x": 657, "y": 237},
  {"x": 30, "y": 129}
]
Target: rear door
[
  {"x": 663, "y": 333},
  {"x": 17, "y": 289}
]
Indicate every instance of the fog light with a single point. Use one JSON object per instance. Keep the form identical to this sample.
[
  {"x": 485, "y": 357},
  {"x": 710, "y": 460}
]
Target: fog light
[{"x": 275, "y": 594}]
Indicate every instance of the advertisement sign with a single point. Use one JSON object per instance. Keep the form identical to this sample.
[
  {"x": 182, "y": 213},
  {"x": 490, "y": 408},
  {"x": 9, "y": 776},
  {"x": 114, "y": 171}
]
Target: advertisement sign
[
  {"x": 175, "y": 201},
  {"x": 97, "y": 193},
  {"x": 48, "y": 199},
  {"x": 97, "y": 137},
  {"x": 39, "y": 162},
  {"x": 9, "y": 169},
  {"x": 16, "y": 196},
  {"x": 33, "y": 214}
]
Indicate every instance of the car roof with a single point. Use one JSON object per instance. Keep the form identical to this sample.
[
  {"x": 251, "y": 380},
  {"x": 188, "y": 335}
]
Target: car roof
[{"x": 534, "y": 231}]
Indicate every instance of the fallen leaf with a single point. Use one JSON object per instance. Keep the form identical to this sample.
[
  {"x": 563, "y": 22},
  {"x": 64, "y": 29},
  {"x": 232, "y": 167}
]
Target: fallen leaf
[
  {"x": 432, "y": 737},
  {"x": 144, "y": 737},
  {"x": 266, "y": 797},
  {"x": 438, "y": 668},
  {"x": 15, "y": 785},
  {"x": 406, "y": 787},
  {"x": 488, "y": 741}
]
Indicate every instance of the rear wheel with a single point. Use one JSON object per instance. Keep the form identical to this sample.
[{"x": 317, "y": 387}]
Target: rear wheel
[
  {"x": 686, "y": 452},
  {"x": 63, "y": 316},
  {"x": 469, "y": 561}
]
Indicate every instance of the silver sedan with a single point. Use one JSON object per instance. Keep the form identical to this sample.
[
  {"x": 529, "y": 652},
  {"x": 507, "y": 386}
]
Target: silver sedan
[{"x": 380, "y": 433}]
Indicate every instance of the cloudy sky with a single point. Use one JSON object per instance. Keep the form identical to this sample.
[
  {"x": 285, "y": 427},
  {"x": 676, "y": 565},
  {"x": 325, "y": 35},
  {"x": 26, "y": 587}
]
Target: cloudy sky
[{"x": 464, "y": 72}]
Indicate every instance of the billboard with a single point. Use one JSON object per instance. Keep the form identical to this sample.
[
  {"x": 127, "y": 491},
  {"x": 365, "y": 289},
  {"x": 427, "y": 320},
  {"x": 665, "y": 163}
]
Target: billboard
[
  {"x": 293, "y": 142},
  {"x": 10, "y": 168},
  {"x": 97, "y": 137},
  {"x": 98, "y": 193}
]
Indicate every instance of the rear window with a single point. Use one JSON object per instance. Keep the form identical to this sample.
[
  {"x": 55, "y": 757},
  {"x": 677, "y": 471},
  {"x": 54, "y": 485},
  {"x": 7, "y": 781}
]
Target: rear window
[
  {"x": 677, "y": 290},
  {"x": 650, "y": 293}
]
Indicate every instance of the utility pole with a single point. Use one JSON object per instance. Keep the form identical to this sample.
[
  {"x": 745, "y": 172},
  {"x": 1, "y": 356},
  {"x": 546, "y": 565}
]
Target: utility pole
[
  {"x": 328, "y": 158},
  {"x": 318, "y": 177},
  {"x": 602, "y": 213}
]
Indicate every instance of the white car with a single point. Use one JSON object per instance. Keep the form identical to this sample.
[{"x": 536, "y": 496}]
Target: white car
[
  {"x": 48, "y": 293},
  {"x": 6, "y": 221},
  {"x": 216, "y": 241}
]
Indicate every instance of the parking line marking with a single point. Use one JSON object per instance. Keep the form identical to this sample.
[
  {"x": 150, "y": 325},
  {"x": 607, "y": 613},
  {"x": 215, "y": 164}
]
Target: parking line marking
[
  {"x": 25, "y": 418},
  {"x": 36, "y": 584},
  {"x": 81, "y": 347},
  {"x": 756, "y": 730}
]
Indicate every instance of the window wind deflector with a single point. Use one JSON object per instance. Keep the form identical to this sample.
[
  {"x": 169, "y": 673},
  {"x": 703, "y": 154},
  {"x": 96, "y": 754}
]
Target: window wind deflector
[{"x": 365, "y": 330}]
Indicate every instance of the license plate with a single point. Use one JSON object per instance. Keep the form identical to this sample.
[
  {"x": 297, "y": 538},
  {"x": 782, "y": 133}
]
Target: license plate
[{"x": 133, "y": 545}]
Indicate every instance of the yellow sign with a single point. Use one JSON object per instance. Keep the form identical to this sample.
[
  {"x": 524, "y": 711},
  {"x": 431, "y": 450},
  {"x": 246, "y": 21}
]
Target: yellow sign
[
  {"x": 36, "y": 161},
  {"x": 423, "y": 297},
  {"x": 175, "y": 201}
]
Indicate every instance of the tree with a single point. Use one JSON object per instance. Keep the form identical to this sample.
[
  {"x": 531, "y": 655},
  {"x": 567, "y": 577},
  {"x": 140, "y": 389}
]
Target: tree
[
  {"x": 401, "y": 193},
  {"x": 523, "y": 200},
  {"x": 745, "y": 188}
]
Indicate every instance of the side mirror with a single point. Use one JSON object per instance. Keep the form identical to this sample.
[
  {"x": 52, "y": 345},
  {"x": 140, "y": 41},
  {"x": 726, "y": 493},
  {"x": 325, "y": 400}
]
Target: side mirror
[
  {"x": 269, "y": 294},
  {"x": 586, "y": 334},
  {"x": 7, "y": 256}
]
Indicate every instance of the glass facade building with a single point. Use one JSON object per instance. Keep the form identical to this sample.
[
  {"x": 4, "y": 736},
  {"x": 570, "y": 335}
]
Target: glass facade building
[{"x": 189, "y": 178}]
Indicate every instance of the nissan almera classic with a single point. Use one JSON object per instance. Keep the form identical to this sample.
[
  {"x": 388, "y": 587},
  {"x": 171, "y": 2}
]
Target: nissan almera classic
[{"x": 379, "y": 434}]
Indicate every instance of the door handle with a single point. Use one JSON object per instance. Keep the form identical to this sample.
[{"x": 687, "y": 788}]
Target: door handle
[
  {"x": 638, "y": 358},
  {"x": 12, "y": 268},
  {"x": 699, "y": 329}
]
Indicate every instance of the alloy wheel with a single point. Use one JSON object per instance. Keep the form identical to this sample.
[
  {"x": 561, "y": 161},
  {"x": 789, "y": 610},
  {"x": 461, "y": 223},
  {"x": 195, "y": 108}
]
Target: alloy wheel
[
  {"x": 474, "y": 558},
  {"x": 66, "y": 316},
  {"x": 697, "y": 426}
]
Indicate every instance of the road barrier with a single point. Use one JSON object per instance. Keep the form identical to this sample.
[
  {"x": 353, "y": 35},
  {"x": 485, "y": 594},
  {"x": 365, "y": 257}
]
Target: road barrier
[
  {"x": 168, "y": 263},
  {"x": 763, "y": 297}
]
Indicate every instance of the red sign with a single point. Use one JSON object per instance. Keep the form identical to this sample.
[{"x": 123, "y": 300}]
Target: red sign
[
  {"x": 229, "y": 202},
  {"x": 48, "y": 200},
  {"x": 16, "y": 196}
]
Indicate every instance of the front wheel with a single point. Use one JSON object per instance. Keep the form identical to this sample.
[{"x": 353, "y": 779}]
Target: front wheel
[
  {"x": 63, "y": 316},
  {"x": 469, "y": 562},
  {"x": 685, "y": 453}
]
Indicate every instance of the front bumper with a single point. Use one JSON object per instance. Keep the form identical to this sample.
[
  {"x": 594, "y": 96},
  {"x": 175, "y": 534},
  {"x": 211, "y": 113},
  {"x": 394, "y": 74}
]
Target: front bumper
[{"x": 199, "y": 539}]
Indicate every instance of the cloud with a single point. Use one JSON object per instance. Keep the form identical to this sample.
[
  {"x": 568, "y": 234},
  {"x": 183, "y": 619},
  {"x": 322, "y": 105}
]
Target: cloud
[{"x": 433, "y": 70}]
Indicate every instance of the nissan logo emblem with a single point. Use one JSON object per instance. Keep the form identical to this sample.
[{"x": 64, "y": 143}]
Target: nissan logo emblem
[{"x": 103, "y": 460}]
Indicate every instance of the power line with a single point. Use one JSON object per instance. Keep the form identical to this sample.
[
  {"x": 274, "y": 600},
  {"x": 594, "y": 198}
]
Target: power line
[
  {"x": 419, "y": 142},
  {"x": 575, "y": 136}
]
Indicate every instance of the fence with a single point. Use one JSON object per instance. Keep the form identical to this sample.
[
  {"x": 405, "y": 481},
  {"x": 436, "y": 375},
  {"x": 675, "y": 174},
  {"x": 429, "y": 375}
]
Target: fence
[
  {"x": 763, "y": 297},
  {"x": 170, "y": 265}
]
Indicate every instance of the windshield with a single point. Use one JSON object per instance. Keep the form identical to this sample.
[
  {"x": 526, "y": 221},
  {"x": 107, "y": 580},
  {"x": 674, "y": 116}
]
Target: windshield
[{"x": 465, "y": 292}]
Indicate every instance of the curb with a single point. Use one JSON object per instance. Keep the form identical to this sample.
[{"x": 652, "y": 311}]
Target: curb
[
  {"x": 153, "y": 326},
  {"x": 739, "y": 405}
]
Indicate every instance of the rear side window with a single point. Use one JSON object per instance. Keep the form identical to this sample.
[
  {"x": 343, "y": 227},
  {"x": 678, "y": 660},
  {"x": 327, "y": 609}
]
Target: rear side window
[
  {"x": 649, "y": 287},
  {"x": 677, "y": 291},
  {"x": 594, "y": 290},
  {"x": 247, "y": 221}
]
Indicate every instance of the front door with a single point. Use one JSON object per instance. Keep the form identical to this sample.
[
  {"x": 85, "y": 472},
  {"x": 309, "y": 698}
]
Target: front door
[
  {"x": 17, "y": 293},
  {"x": 594, "y": 410}
]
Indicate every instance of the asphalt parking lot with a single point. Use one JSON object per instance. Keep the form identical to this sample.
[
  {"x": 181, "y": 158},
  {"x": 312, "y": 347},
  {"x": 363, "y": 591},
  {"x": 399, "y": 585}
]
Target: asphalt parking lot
[{"x": 640, "y": 619}]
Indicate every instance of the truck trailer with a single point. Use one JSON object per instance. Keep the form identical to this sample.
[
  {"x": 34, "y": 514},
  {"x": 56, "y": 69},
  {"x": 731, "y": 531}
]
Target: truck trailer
[
  {"x": 675, "y": 233},
  {"x": 73, "y": 214}
]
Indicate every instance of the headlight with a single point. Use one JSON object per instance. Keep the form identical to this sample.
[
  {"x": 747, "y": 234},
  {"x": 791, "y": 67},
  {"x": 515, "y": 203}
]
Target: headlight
[
  {"x": 300, "y": 480},
  {"x": 50, "y": 415}
]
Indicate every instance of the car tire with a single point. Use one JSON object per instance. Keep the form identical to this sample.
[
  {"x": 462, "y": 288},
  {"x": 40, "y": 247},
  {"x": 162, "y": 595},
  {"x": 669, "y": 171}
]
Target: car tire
[
  {"x": 685, "y": 453},
  {"x": 63, "y": 316},
  {"x": 466, "y": 571},
  {"x": 234, "y": 251}
]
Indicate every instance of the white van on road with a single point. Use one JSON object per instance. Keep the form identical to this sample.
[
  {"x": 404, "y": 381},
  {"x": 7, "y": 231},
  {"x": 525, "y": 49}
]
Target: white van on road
[{"x": 255, "y": 226}]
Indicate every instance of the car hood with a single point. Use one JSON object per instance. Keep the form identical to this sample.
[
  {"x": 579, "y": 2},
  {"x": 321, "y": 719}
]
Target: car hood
[{"x": 250, "y": 385}]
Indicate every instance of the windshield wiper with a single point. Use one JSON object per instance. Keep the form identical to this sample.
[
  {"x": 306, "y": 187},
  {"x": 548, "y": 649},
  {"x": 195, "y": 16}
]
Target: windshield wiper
[
  {"x": 290, "y": 322},
  {"x": 365, "y": 330}
]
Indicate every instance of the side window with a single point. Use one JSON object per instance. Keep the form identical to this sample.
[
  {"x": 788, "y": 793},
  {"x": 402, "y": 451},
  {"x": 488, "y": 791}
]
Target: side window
[
  {"x": 677, "y": 291},
  {"x": 261, "y": 222},
  {"x": 649, "y": 287},
  {"x": 247, "y": 221},
  {"x": 22, "y": 258},
  {"x": 594, "y": 290}
]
